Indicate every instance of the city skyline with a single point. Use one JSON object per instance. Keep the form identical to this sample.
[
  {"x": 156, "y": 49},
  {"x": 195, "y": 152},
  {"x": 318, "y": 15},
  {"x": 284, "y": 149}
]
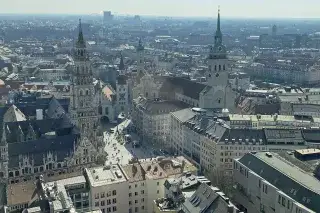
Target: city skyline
[{"x": 181, "y": 8}]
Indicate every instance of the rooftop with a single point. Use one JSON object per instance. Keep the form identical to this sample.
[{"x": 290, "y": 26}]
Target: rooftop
[
  {"x": 160, "y": 107},
  {"x": 208, "y": 199},
  {"x": 286, "y": 176},
  {"x": 71, "y": 181},
  {"x": 184, "y": 114},
  {"x": 100, "y": 176},
  {"x": 20, "y": 193}
]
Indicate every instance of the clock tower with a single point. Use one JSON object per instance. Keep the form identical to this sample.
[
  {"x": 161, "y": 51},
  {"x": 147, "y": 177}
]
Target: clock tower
[
  {"x": 218, "y": 94},
  {"x": 218, "y": 62}
]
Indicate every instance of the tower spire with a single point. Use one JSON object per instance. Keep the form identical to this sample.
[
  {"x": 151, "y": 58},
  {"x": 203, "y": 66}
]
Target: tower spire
[
  {"x": 121, "y": 65},
  {"x": 80, "y": 41},
  {"x": 218, "y": 36},
  {"x": 218, "y": 21}
]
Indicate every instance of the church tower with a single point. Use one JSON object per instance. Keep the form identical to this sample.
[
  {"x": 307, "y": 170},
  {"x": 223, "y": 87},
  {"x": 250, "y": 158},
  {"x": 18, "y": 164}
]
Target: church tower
[
  {"x": 82, "y": 111},
  {"x": 217, "y": 60},
  {"x": 220, "y": 94},
  {"x": 140, "y": 64},
  {"x": 3, "y": 156}
]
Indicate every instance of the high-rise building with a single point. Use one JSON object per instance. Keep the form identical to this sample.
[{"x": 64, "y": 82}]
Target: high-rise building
[{"x": 107, "y": 16}]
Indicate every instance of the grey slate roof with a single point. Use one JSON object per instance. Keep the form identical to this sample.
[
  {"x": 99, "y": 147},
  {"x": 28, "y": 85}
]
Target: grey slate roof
[
  {"x": 160, "y": 107},
  {"x": 283, "y": 135},
  {"x": 62, "y": 145},
  {"x": 311, "y": 135},
  {"x": 186, "y": 87},
  {"x": 184, "y": 114},
  {"x": 300, "y": 186},
  {"x": 39, "y": 126},
  {"x": 243, "y": 134},
  {"x": 207, "y": 199}
]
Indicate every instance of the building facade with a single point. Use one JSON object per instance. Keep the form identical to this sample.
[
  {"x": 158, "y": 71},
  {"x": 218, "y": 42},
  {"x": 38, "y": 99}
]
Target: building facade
[
  {"x": 83, "y": 108},
  {"x": 267, "y": 182}
]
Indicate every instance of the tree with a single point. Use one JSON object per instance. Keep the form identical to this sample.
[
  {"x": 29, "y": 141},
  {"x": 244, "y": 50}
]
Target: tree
[{"x": 221, "y": 179}]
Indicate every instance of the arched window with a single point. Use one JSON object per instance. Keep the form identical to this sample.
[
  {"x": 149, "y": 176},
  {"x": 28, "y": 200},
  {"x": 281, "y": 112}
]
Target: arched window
[
  {"x": 224, "y": 67},
  {"x": 87, "y": 92},
  {"x": 219, "y": 67},
  {"x": 81, "y": 52},
  {"x": 215, "y": 67},
  {"x": 81, "y": 93}
]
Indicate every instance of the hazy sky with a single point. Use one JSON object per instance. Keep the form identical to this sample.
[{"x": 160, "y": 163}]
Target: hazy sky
[{"x": 230, "y": 8}]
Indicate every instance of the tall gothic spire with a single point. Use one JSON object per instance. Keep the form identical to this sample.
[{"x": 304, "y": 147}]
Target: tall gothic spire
[
  {"x": 218, "y": 36},
  {"x": 121, "y": 65},
  {"x": 80, "y": 42}
]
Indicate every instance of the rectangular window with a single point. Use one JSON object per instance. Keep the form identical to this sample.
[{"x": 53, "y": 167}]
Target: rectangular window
[
  {"x": 283, "y": 201},
  {"x": 114, "y": 192},
  {"x": 279, "y": 199},
  {"x": 157, "y": 183},
  {"x": 130, "y": 194},
  {"x": 114, "y": 200},
  {"x": 136, "y": 201},
  {"x": 96, "y": 204},
  {"x": 136, "y": 193},
  {"x": 102, "y": 203},
  {"x": 96, "y": 196},
  {"x": 102, "y": 195},
  {"x": 142, "y": 191}
]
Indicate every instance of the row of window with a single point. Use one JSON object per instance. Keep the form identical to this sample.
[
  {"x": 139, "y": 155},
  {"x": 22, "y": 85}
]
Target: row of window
[
  {"x": 136, "y": 185},
  {"x": 136, "y": 193},
  {"x": 136, "y": 209},
  {"x": 107, "y": 210},
  {"x": 136, "y": 201},
  {"x": 28, "y": 170},
  {"x": 103, "y": 202},
  {"x": 242, "y": 148},
  {"x": 103, "y": 195}
]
